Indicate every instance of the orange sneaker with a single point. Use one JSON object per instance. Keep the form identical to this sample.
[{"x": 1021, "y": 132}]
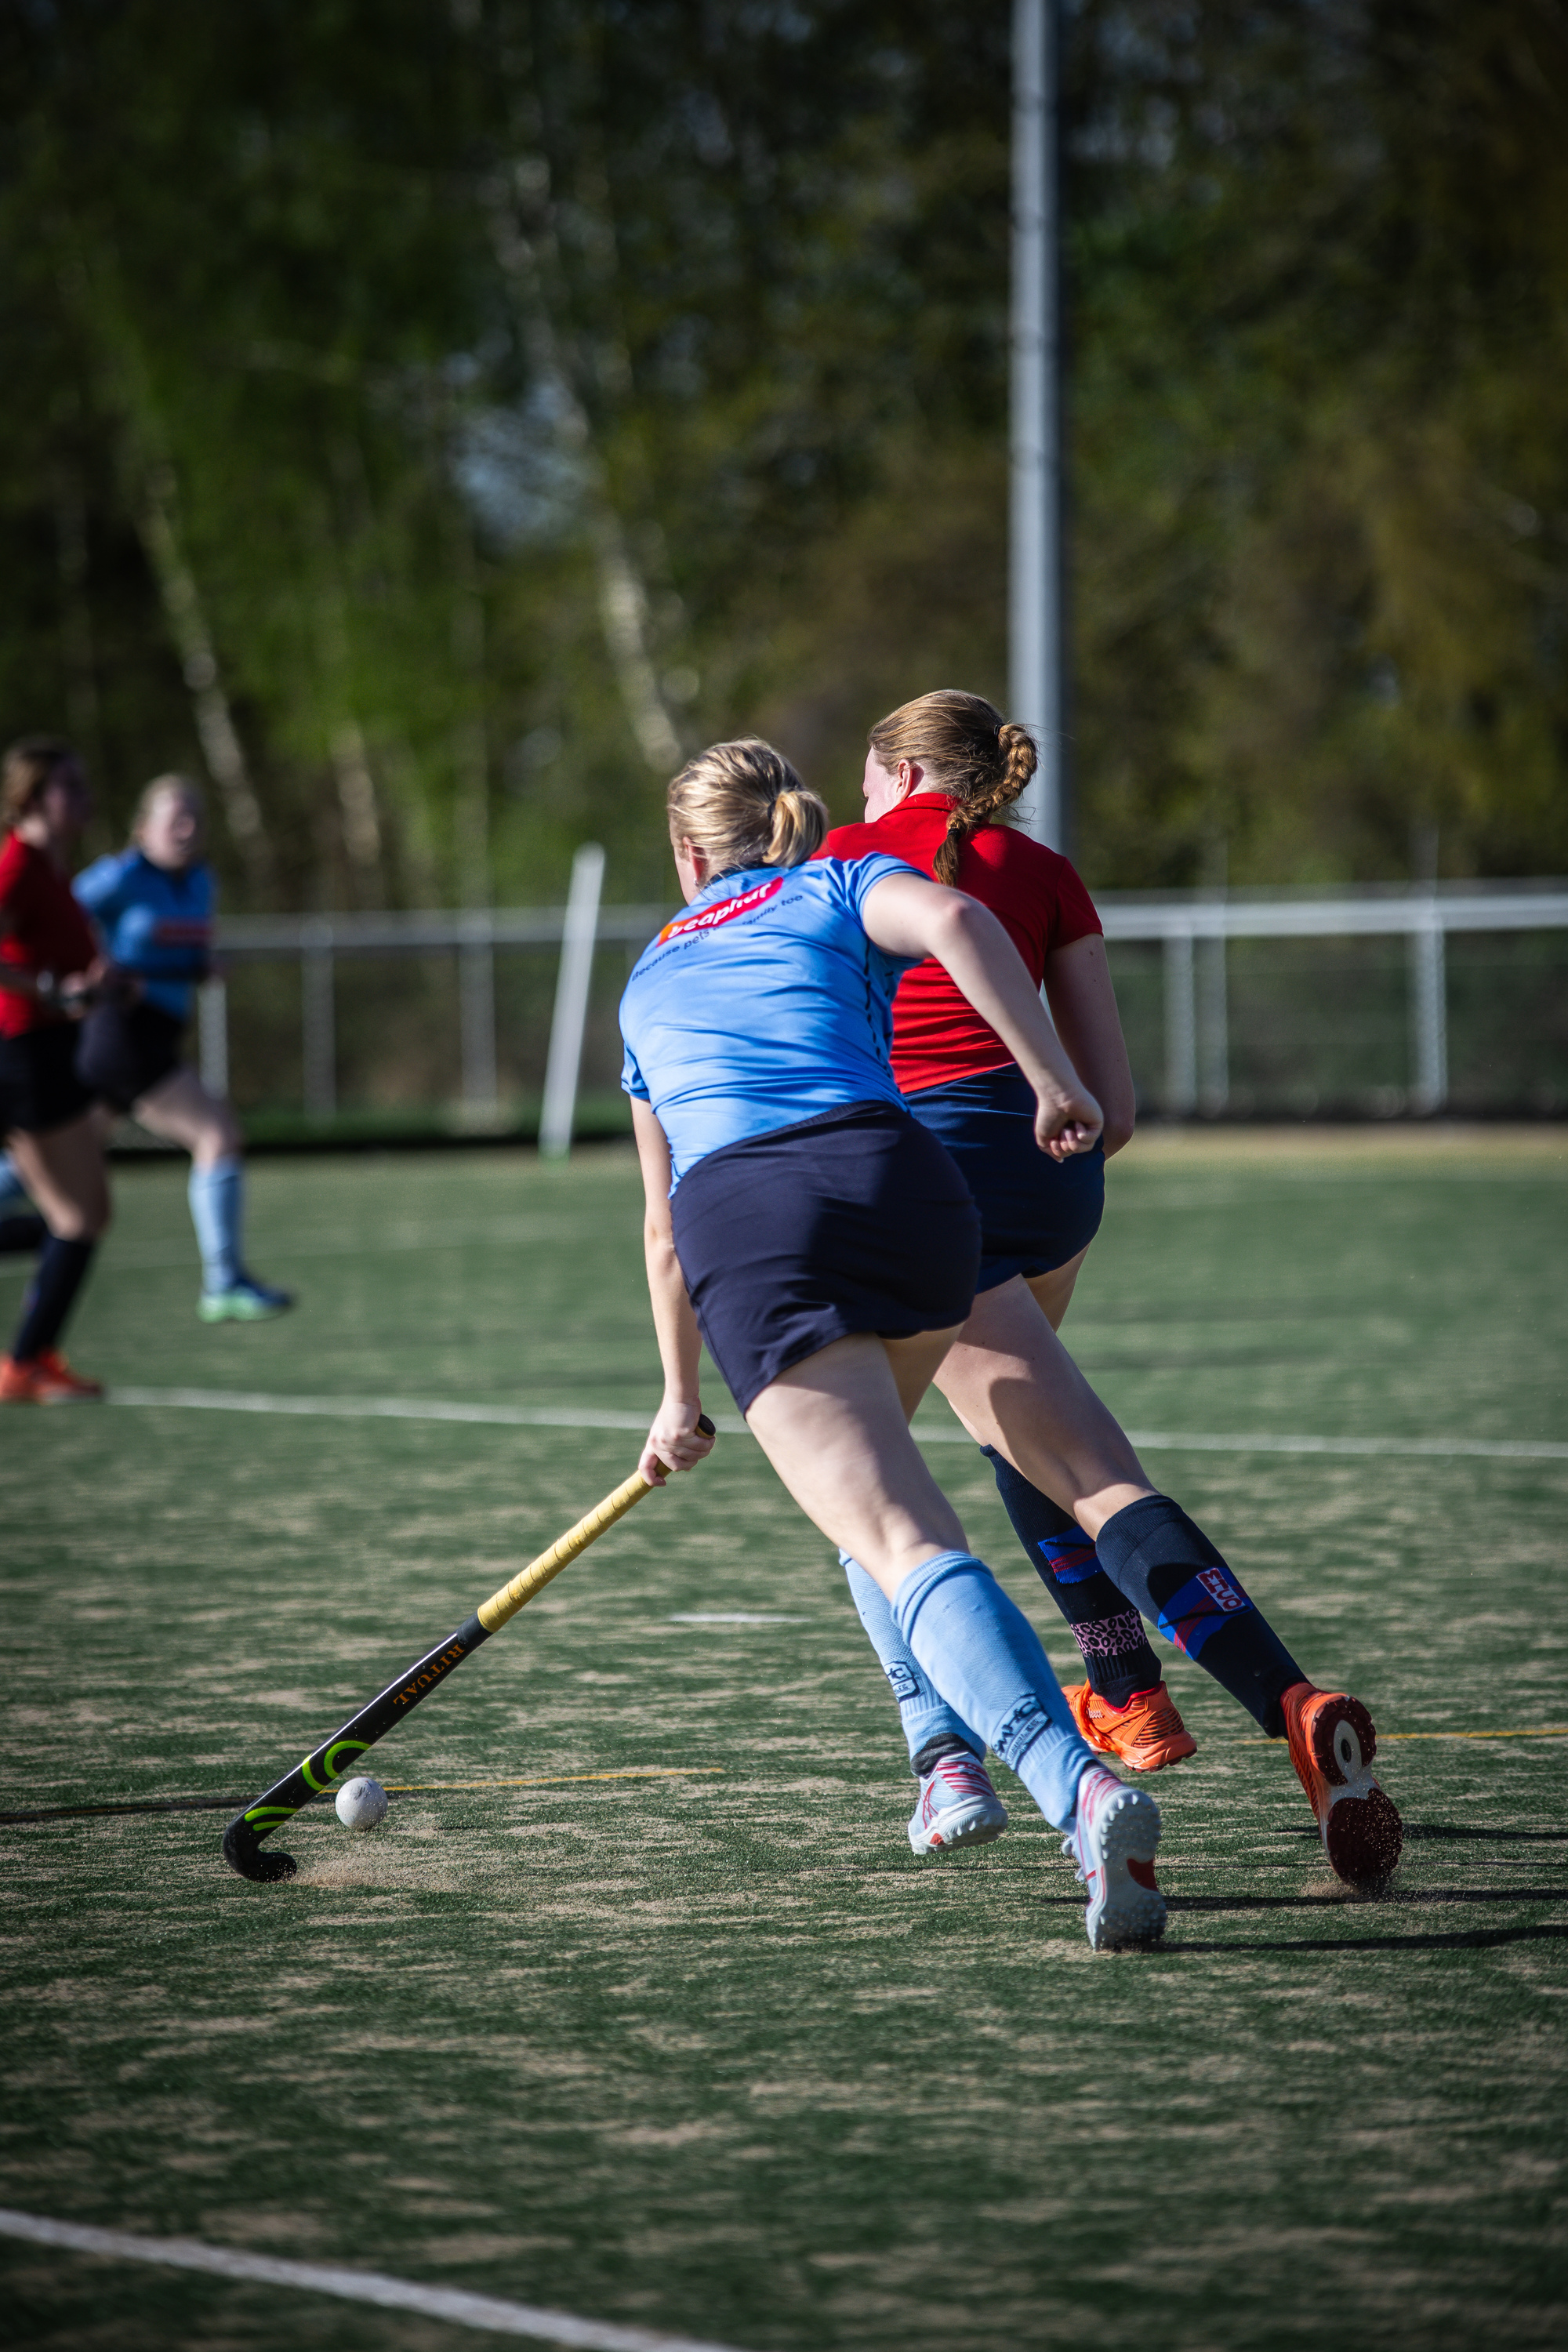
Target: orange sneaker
[
  {"x": 1333, "y": 1743},
  {"x": 44, "y": 1379},
  {"x": 1147, "y": 1732},
  {"x": 72, "y": 1384}
]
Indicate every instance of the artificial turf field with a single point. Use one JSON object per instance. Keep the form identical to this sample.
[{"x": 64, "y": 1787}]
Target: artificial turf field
[{"x": 714, "y": 2052}]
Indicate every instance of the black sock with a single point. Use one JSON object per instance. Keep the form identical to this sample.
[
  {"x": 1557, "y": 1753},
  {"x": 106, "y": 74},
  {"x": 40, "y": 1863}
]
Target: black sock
[
  {"x": 50, "y": 1296},
  {"x": 946, "y": 1743},
  {"x": 1116, "y": 1658},
  {"x": 1170, "y": 1568},
  {"x": 20, "y": 1236}
]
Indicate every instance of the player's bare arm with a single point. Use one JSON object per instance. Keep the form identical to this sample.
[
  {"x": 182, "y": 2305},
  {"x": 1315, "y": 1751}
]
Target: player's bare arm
[
  {"x": 907, "y": 916},
  {"x": 1082, "y": 998},
  {"x": 675, "y": 1440}
]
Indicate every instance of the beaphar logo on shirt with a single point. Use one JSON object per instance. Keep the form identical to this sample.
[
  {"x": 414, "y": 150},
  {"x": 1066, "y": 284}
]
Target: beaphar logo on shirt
[{"x": 711, "y": 916}]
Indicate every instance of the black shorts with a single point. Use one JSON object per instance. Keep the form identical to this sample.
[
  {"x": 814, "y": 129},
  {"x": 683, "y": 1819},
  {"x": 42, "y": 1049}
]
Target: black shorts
[
  {"x": 1036, "y": 1212},
  {"x": 125, "y": 1050},
  {"x": 39, "y": 1088},
  {"x": 854, "y": 1220}
]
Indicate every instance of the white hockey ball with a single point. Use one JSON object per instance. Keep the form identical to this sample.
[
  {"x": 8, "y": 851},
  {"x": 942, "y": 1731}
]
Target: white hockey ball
[{"x": 362, "y": 1803}]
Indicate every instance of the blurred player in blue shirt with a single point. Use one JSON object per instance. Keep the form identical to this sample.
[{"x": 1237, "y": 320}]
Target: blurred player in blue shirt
[{"x": 153, "y": 905}]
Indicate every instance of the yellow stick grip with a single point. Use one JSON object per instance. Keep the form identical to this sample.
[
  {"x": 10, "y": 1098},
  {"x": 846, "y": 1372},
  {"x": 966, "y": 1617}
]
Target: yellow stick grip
[
  {"x": 532, "y": 1579},
  {"x": 504, "y": 1604}
]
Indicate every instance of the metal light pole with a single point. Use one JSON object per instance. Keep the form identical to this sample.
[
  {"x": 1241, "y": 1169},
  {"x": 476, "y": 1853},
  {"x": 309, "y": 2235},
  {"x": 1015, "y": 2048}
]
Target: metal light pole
[{"x": 1037, "y": 686}]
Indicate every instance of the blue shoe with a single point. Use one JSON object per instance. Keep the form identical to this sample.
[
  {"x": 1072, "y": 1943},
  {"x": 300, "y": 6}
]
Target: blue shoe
[
  {"x": 1113, "y": 1845},
  {"x": 246, "y": 1301},
  {"x": 958, "y": 1806}
]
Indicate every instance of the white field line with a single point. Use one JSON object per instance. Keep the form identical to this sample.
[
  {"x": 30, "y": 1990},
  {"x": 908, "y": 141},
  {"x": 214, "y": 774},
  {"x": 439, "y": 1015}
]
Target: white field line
[
  {"x": 485, "y": 2312},
  {"x": 424, "y": 1241},
  {"x": 349, "y": 1408},
  {"x": 731, "y": 1617},
  {"x": 1482, "y": 1449},
  {"x": 542, "y": 1416}
]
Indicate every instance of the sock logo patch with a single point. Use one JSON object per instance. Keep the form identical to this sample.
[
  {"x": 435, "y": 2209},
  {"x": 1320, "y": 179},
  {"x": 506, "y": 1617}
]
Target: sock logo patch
[
  {"x": 1200, "y": 1608},
  {"x": 1020, "y": 1730},
  {"x": 903, "y": 1682},
  {"x": 1069, "y": 1558}
]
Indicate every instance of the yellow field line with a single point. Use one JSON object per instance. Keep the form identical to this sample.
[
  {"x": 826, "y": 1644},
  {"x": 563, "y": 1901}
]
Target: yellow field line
[
  {"x": 548, "y": 1779},
  {"x": 1549, "y": 1731}
]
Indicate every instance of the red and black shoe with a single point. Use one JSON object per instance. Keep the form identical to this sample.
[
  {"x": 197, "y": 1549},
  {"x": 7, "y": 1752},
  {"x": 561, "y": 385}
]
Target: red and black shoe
[
  {"x": 1333, "y": 1743},
  {"x": 44, "y": 1379}
]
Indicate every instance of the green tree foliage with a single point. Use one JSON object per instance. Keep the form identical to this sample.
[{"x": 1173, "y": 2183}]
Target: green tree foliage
[
  {"x": 1322, "y": 265},
  {"x": 429, "y": 414}
]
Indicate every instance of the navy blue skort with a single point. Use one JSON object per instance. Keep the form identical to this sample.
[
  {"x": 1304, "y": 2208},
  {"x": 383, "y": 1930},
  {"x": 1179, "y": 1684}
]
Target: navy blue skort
[
  {"x": 1036, "y": 1212},
  {"x": 854, "y": 1220},
  {"x": 126, "y": 1050},
  {"x": 39, "y": 1089}
]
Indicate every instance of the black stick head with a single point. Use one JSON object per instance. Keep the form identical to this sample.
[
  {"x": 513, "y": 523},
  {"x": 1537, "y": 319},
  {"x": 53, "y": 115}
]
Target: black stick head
[{"x": 243, "y": 1852}]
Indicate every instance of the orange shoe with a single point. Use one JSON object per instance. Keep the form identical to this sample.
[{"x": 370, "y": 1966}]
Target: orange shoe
[
  {"x": 73, "y": 1384},
  {"x": 1333, "y": 1743},
  {"x": 1147, "y": 1732},
  {"x": 44, "y": 1379}
]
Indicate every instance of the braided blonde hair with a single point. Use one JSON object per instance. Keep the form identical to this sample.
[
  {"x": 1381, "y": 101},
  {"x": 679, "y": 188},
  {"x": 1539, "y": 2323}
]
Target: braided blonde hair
[
  {"x": 968, "y": 751},
  {"x": 745, "y": 805}
]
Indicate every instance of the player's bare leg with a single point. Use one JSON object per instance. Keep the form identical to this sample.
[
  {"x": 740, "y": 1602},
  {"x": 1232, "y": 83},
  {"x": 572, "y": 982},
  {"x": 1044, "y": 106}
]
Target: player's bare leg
[
  {"x": 835, "y": 1428},
  {"x": 63, "y": 1170},
  {"x": 180, "y": 1109}
]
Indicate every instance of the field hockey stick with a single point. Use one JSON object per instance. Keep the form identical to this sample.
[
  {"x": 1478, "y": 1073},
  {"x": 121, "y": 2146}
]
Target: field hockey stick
[{"x": 314, "y": 1777}]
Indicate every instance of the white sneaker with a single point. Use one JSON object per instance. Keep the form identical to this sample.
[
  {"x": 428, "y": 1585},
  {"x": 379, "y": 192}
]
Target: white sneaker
[
  {"x": 958, "y": 1806},
  {"x": 1118, "y": 1831}
]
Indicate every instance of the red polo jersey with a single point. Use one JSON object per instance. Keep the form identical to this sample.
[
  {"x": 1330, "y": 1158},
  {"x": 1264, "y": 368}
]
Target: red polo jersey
[
  {"x": 1035, "y": 895},
  {"x": 46, "y": 930}
]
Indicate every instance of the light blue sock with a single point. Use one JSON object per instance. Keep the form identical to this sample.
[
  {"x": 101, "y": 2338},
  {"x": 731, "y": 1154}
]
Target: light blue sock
[
  {"x": 216, "y": 1195},
  {"x": 984, "y": 1657},
  {"x": 12, "y": 1191},
  {"x": 922, "y": 1716}
]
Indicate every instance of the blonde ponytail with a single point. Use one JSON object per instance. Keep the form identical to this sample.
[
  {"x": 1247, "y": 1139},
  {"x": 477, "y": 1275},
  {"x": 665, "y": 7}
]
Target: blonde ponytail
[
  {"x": 798, "y": 830},
  {"x": 743, "y": 805}
]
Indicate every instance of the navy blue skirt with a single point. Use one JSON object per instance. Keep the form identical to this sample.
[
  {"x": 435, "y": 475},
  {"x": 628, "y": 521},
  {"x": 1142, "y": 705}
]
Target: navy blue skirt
[
  {"x": 126, "y": 1050},
  {"x": 39, "y": 1089},
  {"x": 1036, "y": 1212},
  {"x": 854, "y": 1220}
]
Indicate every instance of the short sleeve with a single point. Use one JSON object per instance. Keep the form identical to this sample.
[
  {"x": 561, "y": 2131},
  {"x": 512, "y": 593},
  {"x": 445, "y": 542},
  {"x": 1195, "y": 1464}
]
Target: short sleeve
[
  {"x": 633, "y": 1082},
  {"x": 1076, "y": 915},
  {"x": 98, "y": 885},
  {"x": 13, "y": 876},
  {"x": 858, "y": 877}
]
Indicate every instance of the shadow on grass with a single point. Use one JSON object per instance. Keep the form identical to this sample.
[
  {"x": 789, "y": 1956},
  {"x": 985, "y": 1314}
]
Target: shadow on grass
[
  {"x": 1462, "y": 1940},
  {"x": 1348, "y": 1899},
  {"x": 1452, "y": 1829},
  {"x": 1452, "y": 1833}
]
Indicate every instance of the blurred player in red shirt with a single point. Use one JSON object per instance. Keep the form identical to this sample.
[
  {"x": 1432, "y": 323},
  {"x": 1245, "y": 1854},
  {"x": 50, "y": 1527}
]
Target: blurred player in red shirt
[{"x": 50, "y": 969}]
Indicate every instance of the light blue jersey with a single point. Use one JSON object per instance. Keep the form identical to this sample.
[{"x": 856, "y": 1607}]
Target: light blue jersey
[
  {"x": 156, "y": 924},
  {"x": 762, "y": 1005}
]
